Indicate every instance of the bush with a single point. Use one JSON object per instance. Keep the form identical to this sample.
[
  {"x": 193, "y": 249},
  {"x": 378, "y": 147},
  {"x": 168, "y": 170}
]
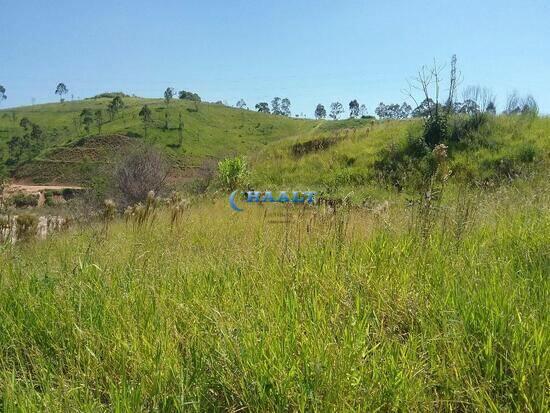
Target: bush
[
  {"x": 232, "y": 173},
  {"x": 462, "y": 127},
  {"x": 435, "y": 130},
  {"x": 313, "y": 145},
  {"x": 49, "y": 196},
  {"x": 24, "y": 200},
  {"x": 26, "y": 225},
  {"x": 526, "y": 153},
  {"x": 405, "y": 164},
  {"x": 143, "y": 170},
  {"x": 67, "y": 193}
]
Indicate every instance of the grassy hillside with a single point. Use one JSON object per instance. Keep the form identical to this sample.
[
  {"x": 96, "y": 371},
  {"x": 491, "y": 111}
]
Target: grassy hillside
[
  {"x": 221, "y": 311},
  {"x": 339, "y": 157},
  {"x": 210, "y": 130}
]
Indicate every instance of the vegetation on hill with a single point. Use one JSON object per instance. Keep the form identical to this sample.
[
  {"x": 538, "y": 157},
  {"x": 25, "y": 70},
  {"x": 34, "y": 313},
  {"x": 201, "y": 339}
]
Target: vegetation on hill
[
  {"x": 363, "y": 157},
  {"x": 185, "y": 129}
]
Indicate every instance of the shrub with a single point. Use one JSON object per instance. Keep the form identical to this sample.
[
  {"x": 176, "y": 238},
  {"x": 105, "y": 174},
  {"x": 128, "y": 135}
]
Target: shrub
[
  {"x": 67, "y": 193},
  {"x": 26, "y": 225},
  {"x": 404, "y": 164},
  {"x": 435, "y": 130},
  {"x": 526, "y": 153},
  {"x": 24, "y": 200},
  {"x": 313, "y": 145},
  {"x": 143, "y": 170},
  {"x": 49, "y": 196},
  {"x": 232, "y": 172},
  {"x": 462, "y": 127},
  {"x": 131, "y": 134}
]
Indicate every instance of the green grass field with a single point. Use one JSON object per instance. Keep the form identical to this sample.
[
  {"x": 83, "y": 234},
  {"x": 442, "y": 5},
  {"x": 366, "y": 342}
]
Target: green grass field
[{"x": 353, "y": 311}]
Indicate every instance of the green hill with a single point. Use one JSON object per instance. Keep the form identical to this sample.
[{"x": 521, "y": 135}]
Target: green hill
[
  {"x": 341, "y": 157},
  {"x": 209, "y": 131}
]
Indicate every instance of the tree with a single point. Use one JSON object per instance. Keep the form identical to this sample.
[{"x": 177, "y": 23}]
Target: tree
[
  {"x": 140, "y": 172},
  {"x": 481, "y": 97},
  {"x": 183, "y": 94},
  {"x": 98, "y": 115},
  {"x": 61, "y": 90},
  {"x": 87, "y": 118},
  {"x": 285, "y": 107},
  {"x": 168, "y": 95},
  {"x": 2, "y": 93},
  {"x": 469, "y": 107},
  {"x": 491, "y": 108},
  {"x": 25, "y": 123},
  {"x": 405, "y": 110},
  {"x": 515, "y": 104},
  {"x": 146, "y": 117},
  {"x": 428, "y": 82},
  {"x": 424, "y": 109},
  {"x": 241, "y": 104},
  {"x": 336, "y": 109},
  {"x": 354, "y": 109},
  {"x": 363, "y": 111},
  {"x": 114, "y": 107},
  {"x": 262, "y": 107},
  {"x": 276, "y": 106},
  {"x": 393, "y": 111},
  {"x": 320, "y": 112},
  {"x": 26, "y": 147}
]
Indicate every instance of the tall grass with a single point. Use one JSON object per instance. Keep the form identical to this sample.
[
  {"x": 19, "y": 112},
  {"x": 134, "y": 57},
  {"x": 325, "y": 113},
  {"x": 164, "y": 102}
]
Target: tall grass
[{"x": 221, "y": 311}]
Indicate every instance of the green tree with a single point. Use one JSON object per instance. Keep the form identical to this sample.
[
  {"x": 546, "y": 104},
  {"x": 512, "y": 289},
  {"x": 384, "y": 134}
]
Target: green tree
[
  {"x": 114, "y": 107},
  {"x": 146, "y": 117},
  {"x": 320, "y": 112},
  {"x": 168, "y": 95},
  {"x": 354, "y": 109},
  {"x": 87, "y": 118},
  {"x": 336, "y": 109},
  {"x": 183, "y": 94},
  {"x": 2, "y": 93},
  {"x": 276, "y": 106},
  {"x": 241, "y": 104},
  {"x": 98, "y": 116},
  {"x": 61, "y": 90},
  {"x": 262, "y": 107},
  {"x": 285, "y": 107}
]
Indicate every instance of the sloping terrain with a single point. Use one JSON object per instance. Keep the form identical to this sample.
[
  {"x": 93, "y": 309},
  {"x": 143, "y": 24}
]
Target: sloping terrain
[
  {"x": 189, "y": 132},
  {"x": 339, "y": 157}
]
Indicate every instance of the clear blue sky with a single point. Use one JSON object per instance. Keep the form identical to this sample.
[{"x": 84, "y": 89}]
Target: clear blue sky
[{"x": 310, "y": 51}]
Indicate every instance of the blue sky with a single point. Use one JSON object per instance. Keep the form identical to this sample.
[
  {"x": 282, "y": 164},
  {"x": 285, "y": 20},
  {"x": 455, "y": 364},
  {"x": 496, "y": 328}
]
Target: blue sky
[{"x": 309, "y": 51}]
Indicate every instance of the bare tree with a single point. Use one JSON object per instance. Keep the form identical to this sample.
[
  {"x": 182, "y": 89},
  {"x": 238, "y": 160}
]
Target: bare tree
[
  {"x": 428, "y": 83},
  {"x": 142, "y": 170},
  {"x": 482, "y": 96},
  {"x": 515, "y": 104}
]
